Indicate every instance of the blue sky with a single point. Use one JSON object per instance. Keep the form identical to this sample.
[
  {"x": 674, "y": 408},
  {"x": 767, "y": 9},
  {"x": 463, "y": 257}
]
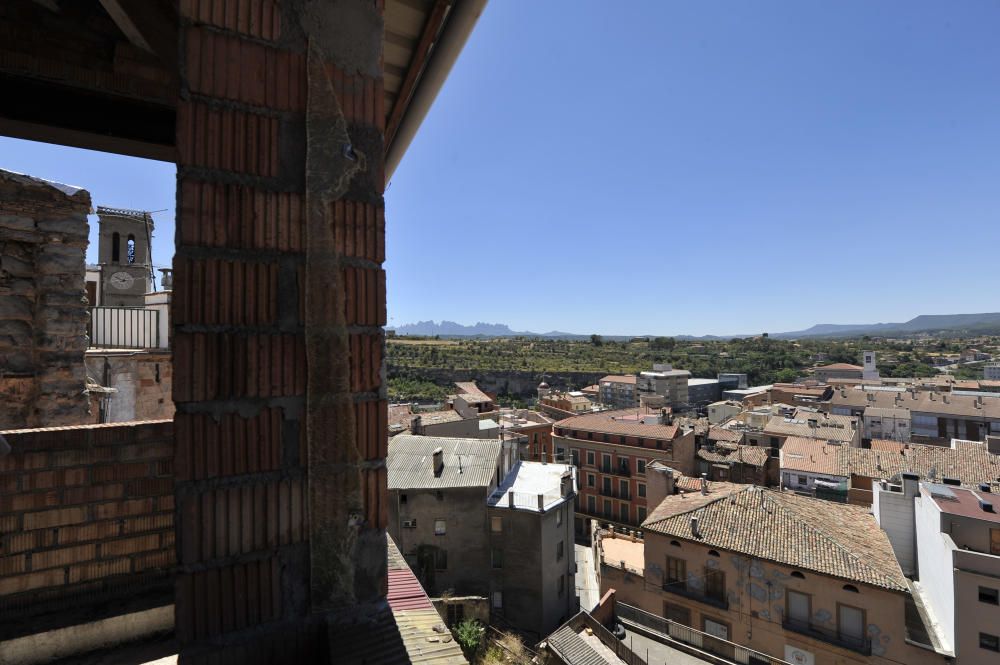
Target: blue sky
[{"x": 683, "y": 167}]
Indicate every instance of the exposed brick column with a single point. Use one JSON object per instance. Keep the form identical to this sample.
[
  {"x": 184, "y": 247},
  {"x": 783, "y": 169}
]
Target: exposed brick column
[{"x": 279, "y": 303}]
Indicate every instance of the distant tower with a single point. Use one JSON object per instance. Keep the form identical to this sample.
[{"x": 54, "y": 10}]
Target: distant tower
[
  {"x": 125, "y": 257},
  {"x": 870, "y": 373},
  {"x": 543, "y": 390}
]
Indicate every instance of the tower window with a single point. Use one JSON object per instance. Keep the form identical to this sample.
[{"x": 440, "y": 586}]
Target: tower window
[
  {"x": 115, "y": 247},
  {"x": 131, "y": 249}
]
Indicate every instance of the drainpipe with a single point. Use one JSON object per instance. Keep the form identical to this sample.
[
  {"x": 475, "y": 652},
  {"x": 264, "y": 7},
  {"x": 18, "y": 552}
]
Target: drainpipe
[{"x": 457, "y": 29}]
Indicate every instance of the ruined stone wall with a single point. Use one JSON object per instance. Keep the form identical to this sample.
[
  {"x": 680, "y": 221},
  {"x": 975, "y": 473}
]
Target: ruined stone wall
[
  {"x": 43, "y": 307},
  {"x": 143, "y": 381}
]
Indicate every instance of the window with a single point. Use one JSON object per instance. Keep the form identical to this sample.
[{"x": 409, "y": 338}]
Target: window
[
  {"x": 676, "y": 573},
  {"x": 607, "y": 508},
  {"x": 715, "y": 584},
  {"x": 677, "y": 613},
  {"x": 456, "y": 613},
  {"x": 439, "y": 527},
  {"x": 989, "y": 642},
  {"x": 641, "y": 489},
  {"x": 402, "y": 498},
  {"x": 560, "y": 453},
  {"x": 641, "y": 514},
  {"x": 440, "y": 559},
  {"x": 591, "y": 505},
  {"x": 497, "y": 558},
  {"x": 607, "y": 486},
  {"x": 562, "y": 585},
  {"x": 590, "y": 458},
  {"x": 115, "y": 247},
  {"x": 623, "y": 489},
  {"x": 716, "y": 628},
  {"x": 623, "y": 464},
  {"x": 559, "y": 516},
  {"x": 798, "y": 606},
  {"x": 559, "y": 550},
  {"x": 496, "y": 524},
  {"x": 606, "y": 463},
  {"x": 591, "y": 480},
  {"x": 802, "y": 480},
  {"x": 624, "y": 512},
  {"x": 498, "y": 600},
  {"x": 130, "y": 249},
  {"x": 850, "y": 624},
  {"x": 640, "y": 464},
  {"x": 576, "y": 457},
  {"x": 988, "y": 595}
]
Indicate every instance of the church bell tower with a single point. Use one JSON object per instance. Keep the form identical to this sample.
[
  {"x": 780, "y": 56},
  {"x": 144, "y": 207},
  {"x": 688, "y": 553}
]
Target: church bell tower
[{"x": 123, "y": 250}]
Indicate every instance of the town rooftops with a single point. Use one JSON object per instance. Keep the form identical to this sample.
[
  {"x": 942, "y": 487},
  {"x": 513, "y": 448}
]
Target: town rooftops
[
  {"x": 887, "y": 412},
  {"x": 829, "y": 538},
  {"x": 470, "y": 392},
  {"x": 528, "y": 481},
  {"x": 919, "y": 401},
  {"x": 401, "y": 416},
  {"x": 584, "y": 641},
  {"x": 663, "y": 373},
  {"x": 970, "y": 462},
  {"x": 466, "y": 462},
  {"x": 731, "y": 453},
  {"x": 618, "y": 378},
  {"x": 623, "y": 421},
  {"x": 963, "y": 502},
  {"x": 812, "y": 424}
]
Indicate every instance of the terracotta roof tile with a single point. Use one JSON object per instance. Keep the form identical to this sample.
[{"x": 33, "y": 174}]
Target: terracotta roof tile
[
  {"x": 624, "y": 421},
  {"x": 833, "y": 539}
]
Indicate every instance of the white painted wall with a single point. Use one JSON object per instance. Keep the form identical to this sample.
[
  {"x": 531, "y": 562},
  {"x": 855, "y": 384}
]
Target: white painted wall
[
  {"x": 894, "y": 513},
  {"x": 935, "y": 564}
]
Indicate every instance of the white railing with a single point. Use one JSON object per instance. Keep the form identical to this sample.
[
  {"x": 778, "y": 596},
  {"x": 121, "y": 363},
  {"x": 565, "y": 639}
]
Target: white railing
[{"x": 125, "y": 328}]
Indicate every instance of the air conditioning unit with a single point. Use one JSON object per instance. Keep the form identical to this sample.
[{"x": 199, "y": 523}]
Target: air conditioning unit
[{"x": 409, "y": 524}]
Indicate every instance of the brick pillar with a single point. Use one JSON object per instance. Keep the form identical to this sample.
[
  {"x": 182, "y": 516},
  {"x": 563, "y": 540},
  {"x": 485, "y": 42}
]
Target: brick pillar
[{"x": 279, "y": 304}]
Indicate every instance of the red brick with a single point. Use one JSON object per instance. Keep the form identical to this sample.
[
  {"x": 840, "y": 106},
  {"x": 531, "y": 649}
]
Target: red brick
[
  {"x": 114, "y": 509},
  {"x": 146, "y": 451},
  {"x": 93, "y": 493},
  {"x": 125, "y": 546},
  {"x": 85, "y": 532},
  {"x": 62, "y": 557},
  {"x": 99, "y": 569},
  {"x": 31, "y": 581},
  {"x": 57, "y": 517},
  {"x": 28, "y": 501},
  {"x": 58, "y": 478},
  {"x": 9, "y": 483},
  {"x": 120, "y": 471},
  {"x": 157, "y": 522},
  {"x": 151, "y": 487},
  {"x": 11, "y": 565},
  {"x": 13, "y": 543},
  {"x": 150, "y": 560}
]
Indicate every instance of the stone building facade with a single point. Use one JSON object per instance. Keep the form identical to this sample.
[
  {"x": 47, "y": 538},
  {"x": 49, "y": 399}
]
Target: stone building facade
[{"x": 43, "y": 306}]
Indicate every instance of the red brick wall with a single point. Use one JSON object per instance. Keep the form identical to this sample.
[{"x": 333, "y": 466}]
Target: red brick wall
[{"x": 86, "y": 516}]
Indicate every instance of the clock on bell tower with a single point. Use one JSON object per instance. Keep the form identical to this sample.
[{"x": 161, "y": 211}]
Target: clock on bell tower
[{"x": 124, "y": 254}]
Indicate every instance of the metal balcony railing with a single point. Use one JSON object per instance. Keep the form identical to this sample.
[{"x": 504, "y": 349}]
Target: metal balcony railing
[
  {"x": 862, "y": 645},
  {"x": 124, "y": 328},
  {"x": 680, "y": 589},
  {"x": 671, "y": 631}
]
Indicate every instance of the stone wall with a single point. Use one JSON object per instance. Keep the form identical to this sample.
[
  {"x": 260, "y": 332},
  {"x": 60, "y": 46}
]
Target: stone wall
[
  {"x": 43, "y": 307},
  {"x": 142, "y": 379}
]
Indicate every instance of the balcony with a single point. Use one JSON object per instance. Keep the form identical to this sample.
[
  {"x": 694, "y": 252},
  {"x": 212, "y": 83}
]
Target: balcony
[
  {"x": 861, "y": 645},
  {"x": 682, "y": 591}
]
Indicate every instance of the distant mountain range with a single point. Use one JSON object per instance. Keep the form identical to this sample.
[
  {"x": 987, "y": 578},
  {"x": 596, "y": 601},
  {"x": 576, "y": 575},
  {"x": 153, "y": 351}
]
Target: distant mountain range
[{"x": 940, "y": 324}]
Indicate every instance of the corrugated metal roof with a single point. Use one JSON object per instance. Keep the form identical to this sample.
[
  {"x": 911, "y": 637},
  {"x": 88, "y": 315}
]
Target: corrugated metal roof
[
  {"x": 467, "y": 462},
  {"x": 405, "y": 592}
]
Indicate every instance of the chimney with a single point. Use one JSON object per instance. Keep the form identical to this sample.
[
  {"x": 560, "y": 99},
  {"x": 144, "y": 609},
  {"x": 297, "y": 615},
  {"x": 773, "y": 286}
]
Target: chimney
[
  {"x": 541, "y": 503},
  {"x": 704, "y": 483},
  {"x": 985, "y": 505},
  {"x": 951, "y": 481},
  {"x": 566, "y": 483},
  {"x": 438, "y": 461},
  {"x": 985, "y": 487},
  {"x": 416, "y": 425},
  {"x": 911, "y": 485},
  {"x": 694, "y": 527},
  {"x": 544, "y": 456},
  {"x": 510, "y": 499}
]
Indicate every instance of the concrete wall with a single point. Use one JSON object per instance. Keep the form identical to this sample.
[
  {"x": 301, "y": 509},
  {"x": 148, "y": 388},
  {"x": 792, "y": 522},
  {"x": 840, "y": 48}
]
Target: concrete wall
[
  {"x": 934, "y": 564},
  {"x": 972, "y": 616},
  {"x": 466, "y": 539},
  {"x": 86, "y": 524},
  {"x": 894, "y": 512},
  {"x": 43, "y": 305},
  {"x": 530, "y": 574},
  {"x": 143, "y": 382},
  {"x": 756, "y": 592}
]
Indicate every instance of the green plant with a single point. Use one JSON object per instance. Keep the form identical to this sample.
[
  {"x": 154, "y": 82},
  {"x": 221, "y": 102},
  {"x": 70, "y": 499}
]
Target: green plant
[{"x": 469, "y": 635}]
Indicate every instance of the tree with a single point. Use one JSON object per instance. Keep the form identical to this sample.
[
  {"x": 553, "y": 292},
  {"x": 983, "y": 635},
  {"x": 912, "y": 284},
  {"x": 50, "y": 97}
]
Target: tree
[
  {"x": 786, "y": 376},
  {"x": 663, "y": 344},
  {"x": 469, "y": 635},
  {"x": 596, "y": 340}
]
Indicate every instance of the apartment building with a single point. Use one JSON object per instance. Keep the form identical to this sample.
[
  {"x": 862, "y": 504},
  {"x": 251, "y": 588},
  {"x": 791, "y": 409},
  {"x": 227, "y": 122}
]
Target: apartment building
[
  {"x": 787, "y": 576},
  {"x": 470, "y": 398},
  {"x": 991, "y": 372},
  {"x": 935, "y": 416},
  {"x": 703, "y": 391},
  {"x": 811, "y": 424},
  {"x": 534, "y": 430},
  {"x": 663, "y": 386},
  {"x": 891, "y": 423},
  {"x": 948, "y": 537},
  {"x": 611, "y": 450},
  {"x": 733, "y": 462},
  {"x": 720, "y": 412},
  {"x": 532, "y": 563},
  {"x": 619, "y": 391}
]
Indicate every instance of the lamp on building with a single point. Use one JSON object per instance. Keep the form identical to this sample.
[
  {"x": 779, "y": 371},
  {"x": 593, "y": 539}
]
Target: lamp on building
[{"x": 167, "y": 280}]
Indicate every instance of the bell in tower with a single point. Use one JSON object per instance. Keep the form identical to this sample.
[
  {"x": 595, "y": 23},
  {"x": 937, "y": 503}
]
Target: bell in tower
[{"x": 125, "y": 256}]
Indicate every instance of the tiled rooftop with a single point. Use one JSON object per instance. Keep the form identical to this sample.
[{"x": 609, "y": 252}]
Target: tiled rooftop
[
  {"x": 829, "y": 538},
  {"x": 624, "y": 421}
]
